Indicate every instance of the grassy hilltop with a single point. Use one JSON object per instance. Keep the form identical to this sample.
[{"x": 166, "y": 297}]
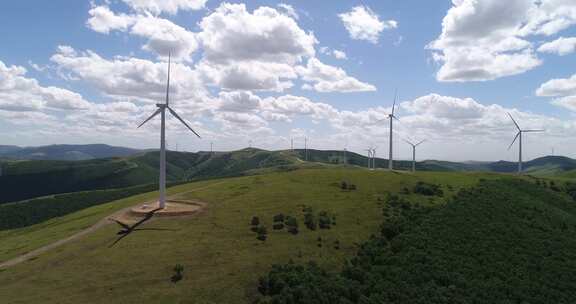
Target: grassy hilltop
[{"x": 217, "y": 248}]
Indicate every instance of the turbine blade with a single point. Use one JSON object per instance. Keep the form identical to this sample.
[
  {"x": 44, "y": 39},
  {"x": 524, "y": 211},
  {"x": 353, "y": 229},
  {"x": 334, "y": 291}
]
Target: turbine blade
[
  {"x": 394, "y": 116},
  {"x": 151, "y": 116},
  {"x": 394, "y": 104},
  {"x": 168, "y": 84},
  {"x": 408, "y": 142},
  {"x": 535, "y": 130},
  {"x": 517, "y": 126},
  {"x": 182, "y": 121},
  {"x": 420, "y": 142},
  {"x": 515, "y": 137}
]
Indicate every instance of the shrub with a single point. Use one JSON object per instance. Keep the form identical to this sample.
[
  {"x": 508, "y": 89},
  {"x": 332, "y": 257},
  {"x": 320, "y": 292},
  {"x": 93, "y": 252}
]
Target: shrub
[
  {"x": 291, "y": 221},
  {"x": 310, "y": 221},
  {"x": 178, "y": 273},
  {"x": 278, "y": 226},
  {"x": 428, "y": 189},
  {"x": 293, "y": 230},
  {"x": 262, "y": 233},
  {"x": 291, "y": 224},
  {"x": 279, "y": 217},
  {"x": 344, "y": 185},
  {"x": 351, "y": 187},
  {"x": 255, "y": 221},
  {"x": 324, "y": 220}
]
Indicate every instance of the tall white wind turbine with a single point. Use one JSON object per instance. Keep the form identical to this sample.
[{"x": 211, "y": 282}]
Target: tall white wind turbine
[
  {"x": 414, "y": 153},
  {"x": 162, "y": 107},
  {"x": 391, "y": 116},
  {"x": 519, "y": 137}
]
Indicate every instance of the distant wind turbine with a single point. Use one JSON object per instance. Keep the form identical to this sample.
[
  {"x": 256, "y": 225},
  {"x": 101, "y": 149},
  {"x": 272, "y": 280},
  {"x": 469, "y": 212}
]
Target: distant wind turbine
[
  {"x": 414, "y": 153},
  {"x": 519, "y": 137},
  {"x": 162, "y": 111},
  {"x": 391, "y": 116},
  {"x": 369, "y": 150}
]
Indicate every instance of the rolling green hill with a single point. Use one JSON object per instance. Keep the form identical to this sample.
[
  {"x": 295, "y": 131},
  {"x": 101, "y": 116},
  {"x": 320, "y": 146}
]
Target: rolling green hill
[
  {"x": 53, "y": 176},
  {"x": 503, "y": 239},
  {"x": 216, "y": 248},
  {"x": 65, "y": 152}
]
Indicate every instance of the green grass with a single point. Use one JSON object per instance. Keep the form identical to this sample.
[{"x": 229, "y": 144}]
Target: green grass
[
  {"x": 22, "y": 240},
  {"x": 221, "y": 257}
]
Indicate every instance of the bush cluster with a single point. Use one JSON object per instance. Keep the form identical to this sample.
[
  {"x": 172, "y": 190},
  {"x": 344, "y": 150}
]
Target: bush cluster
[
  {"x": 322, "y": 220},
  {"x": 424, "y": 188},
  {"x": 347, "y": 186}
]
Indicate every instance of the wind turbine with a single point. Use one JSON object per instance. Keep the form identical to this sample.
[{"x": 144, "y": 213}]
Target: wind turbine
[
  {"x": 414, "y": 153},
  {"x": 369, "y": 150},
  {"x": 391, "y": 116},
  {"x": 519, "y": 137},
  {"x": 162, "y": 107}
]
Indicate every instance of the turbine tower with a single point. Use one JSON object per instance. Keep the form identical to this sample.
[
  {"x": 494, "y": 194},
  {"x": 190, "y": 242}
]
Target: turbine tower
[
  {"x": 414, "y": 153},
  {"x": 391, "y": 116},
  {"x": 373, "y": 158},
  {"x": 162, "y": 107},
  {"x": 519, "y": 137}
]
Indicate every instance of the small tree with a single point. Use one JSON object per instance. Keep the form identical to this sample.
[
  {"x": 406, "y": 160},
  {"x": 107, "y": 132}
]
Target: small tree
[
  {"x": 324, "y": 220},
  {"x": 262, "y": 233},
  {"x": 291, "y": 224},
  {"x": 344, "y": 185},
  {"x": 309, "y": 221},
  {"x": 279, "y": 217},
  {"x": 255, "y": 221},
  {"x": 178, "y": 273}
]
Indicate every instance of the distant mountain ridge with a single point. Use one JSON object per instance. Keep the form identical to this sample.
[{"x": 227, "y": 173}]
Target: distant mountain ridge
[
  {"x": 65, "y": 152},
  {"x": 24, "y": 179}
]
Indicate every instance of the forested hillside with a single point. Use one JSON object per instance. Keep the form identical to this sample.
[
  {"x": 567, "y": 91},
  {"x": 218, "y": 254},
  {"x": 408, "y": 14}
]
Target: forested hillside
[{"x": 505, "y": 241}]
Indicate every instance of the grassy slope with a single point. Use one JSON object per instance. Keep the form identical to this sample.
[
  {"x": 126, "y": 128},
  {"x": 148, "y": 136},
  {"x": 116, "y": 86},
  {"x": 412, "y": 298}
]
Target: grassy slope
[{"x": 222, "y": 258}]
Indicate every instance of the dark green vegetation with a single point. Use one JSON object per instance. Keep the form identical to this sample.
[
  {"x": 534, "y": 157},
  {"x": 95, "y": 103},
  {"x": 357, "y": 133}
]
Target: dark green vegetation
[
  {"x": 65, "y": 152},
  {"x": 29, "y": 212},
  {"x": 504, "y": 241}
]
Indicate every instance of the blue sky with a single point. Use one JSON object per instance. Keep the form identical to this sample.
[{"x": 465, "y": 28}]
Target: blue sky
[{"x": 95, "y": 68}]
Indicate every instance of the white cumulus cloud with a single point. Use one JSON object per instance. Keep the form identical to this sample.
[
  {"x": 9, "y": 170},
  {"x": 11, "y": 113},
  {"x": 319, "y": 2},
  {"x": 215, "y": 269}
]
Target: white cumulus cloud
[
  {"x": 561, "y": 46},
  {"x": 364, "y": 24},
  {"x": 488, "y": 39},
  {"x": 165, "y": 6},
  {"x": 327, "y": 78}
]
